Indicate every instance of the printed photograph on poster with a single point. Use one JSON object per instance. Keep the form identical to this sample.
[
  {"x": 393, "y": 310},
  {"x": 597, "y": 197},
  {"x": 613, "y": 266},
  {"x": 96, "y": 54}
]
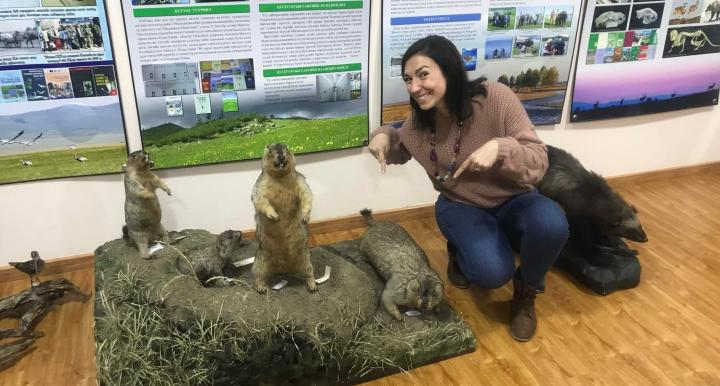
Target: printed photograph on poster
[
  {"x": 711, "y": 13},
  {"x": 608, "y": 2},
  {"x": 685, "y": 12},
  {"x": 469, "y": 56},
  {"x": 229, "y": 101},
  {"x": 555, "y": 45},
  {"x": 337, "y": 87},
  {"x": 68, "y": 3},
  {"x": 611, "y": 18},
  {"x": 525, "y": 46},
  {"x": 159, "y": 2},
  {"x": 498, "y": 47},
  {"x": 227, "y": 75},
  {"x": 60, "y": 113},
  {"x": 500, "y": 19},
  {"x": 174, "y": 106},
  {"x": 646, "y": 16},
  {"x": 58, "y": 83},
  {"x": 690, "y": 41},
  {"x": 12, "y": 87},
  {"x": 618, "y": 47},
  {"x": 19, "y": 37},
  {"x": 558, "y": 16},
  {"x": 530, "y": 17},
  {"x": 72, "y": 34},
  {"x": 105, "y": 83},
  {"x": 35, "y": 84}
]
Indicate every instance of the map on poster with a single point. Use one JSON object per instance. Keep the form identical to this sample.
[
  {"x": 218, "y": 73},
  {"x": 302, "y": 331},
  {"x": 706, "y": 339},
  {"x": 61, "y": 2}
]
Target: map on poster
[
  {"x": 526, "y": 45},
  {"x": 216, "y": 81},
  {"x": 647, "y": 56},
  {"x": 59, "y": 106}
]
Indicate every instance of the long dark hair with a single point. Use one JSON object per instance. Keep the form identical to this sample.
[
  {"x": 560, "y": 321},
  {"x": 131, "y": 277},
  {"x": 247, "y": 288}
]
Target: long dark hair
[{"x": 459, "y": 90}]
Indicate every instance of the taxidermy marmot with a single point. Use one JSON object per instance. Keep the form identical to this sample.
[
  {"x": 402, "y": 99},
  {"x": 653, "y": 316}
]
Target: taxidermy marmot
[
  {"x": 597, "y": 215},
  {"x": 282, "y": 201},
  {"x": 403, "y": 265},
  {"x": 210, "y": 261},
  {"x": 142, "y": 208}
]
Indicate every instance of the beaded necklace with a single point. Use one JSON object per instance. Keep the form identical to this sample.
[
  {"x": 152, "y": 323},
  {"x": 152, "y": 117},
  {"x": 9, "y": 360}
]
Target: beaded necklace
[{"x": 456, "y": 150}]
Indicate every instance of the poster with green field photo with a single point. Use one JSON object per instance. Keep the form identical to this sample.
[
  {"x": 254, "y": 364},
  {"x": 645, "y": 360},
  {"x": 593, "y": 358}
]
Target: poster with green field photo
[{"x": 308, "y": 90}]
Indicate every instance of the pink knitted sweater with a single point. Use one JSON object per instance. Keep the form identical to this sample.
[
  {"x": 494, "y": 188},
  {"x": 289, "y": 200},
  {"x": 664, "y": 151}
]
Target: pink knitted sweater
[{"x": 522, "y": 157}]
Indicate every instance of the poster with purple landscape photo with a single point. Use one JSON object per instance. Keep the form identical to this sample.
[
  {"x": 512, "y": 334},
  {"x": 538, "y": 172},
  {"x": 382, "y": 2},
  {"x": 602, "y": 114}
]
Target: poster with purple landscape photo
[{"x": 646, "y": 57}]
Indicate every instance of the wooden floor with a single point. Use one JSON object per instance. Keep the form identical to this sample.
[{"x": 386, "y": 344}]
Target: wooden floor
[{"x": 666, "y": 331}]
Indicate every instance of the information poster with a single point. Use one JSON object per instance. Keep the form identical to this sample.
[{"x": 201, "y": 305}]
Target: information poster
[
  {"x": 217, "y": 81},
  {"x": 526, "y": 45},
  {"x": 641, "y": 57},
  {"x": 59, "y": 106}
]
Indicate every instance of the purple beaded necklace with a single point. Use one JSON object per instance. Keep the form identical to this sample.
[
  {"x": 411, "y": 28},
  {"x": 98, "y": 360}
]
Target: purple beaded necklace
[{"x": 456, "y": 150}]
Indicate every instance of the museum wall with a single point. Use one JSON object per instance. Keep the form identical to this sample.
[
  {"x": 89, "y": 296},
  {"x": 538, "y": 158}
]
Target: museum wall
[{"x": 75, "y": 215}]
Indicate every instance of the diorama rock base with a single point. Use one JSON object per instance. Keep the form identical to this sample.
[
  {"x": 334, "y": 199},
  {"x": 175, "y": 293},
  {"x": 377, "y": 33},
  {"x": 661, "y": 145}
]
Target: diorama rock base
[{"x": 155, "y": 325}]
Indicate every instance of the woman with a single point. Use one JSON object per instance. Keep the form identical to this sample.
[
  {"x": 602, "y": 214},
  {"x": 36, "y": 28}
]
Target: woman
[{"x": 481, "y": 152}]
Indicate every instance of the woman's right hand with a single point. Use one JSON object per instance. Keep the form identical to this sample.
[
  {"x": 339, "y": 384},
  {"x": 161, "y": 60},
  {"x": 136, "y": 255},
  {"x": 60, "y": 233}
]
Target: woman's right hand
[{"x": 379, "y": 147}]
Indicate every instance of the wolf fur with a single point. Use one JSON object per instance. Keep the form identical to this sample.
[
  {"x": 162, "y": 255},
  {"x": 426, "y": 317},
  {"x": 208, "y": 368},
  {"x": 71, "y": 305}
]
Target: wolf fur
[
  {"x": 402, "y": 264},
  {"x": 598, "y": 216},
  {"x": 282, "y": 200}
]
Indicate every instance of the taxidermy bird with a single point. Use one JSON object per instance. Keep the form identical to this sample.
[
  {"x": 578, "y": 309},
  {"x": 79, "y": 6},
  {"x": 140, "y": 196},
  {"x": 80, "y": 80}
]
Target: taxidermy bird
[
  {"x": 79, "y": 158},
  {"x": 31, "y": 267}
]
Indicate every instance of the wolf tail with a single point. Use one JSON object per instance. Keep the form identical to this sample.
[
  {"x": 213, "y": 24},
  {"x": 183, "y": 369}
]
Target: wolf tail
[
  {"x": 367, "y": 216},
  {"x": 125, "y": 233}
]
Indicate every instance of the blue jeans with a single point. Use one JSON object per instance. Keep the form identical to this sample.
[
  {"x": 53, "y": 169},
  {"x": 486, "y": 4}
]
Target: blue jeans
[{"x": 484, "y": 238}]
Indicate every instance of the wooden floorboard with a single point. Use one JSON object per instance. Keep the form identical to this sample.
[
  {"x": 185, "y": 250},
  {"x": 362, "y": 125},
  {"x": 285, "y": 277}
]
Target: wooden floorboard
[{"x": 665, "y": 332}]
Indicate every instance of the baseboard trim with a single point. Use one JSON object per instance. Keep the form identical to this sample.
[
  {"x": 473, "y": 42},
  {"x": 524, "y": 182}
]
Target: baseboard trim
[{"x": 78, "y": 262}]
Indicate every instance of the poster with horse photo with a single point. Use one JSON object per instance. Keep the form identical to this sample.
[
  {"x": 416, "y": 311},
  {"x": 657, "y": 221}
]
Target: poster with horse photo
[
  {"x": 664, "y": 59},
  {"x": 526, "y": 45},
  {"x": 60, "y": 112}
]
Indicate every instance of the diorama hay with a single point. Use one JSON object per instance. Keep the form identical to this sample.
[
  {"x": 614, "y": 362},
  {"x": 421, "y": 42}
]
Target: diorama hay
[{"x": 155, "y": 326}]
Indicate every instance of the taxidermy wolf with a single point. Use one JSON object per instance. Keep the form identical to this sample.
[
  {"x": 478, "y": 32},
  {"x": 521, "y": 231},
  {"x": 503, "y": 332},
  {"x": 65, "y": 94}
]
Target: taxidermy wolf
[{"x": 598, "y": 216}]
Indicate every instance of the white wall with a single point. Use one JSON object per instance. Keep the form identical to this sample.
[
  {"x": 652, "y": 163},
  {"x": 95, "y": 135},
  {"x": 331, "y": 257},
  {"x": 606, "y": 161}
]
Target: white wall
[{"x": 75, "y": 215}]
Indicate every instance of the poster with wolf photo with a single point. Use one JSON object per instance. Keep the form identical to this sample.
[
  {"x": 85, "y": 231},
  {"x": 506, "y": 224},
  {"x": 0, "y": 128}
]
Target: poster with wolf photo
[
  {"x": 646, "y": 57},
  {"x": 245, "y": 77},
  {"x": 527, "y": 45},
  {"x": 60, "y": 112}
]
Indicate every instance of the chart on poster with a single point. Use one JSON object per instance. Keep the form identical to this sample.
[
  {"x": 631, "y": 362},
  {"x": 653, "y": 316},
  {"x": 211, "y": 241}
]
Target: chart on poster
[
  {"x": 526, "y": 45},
  {"x": 59, "y": 106},
  {"x": 217, "y": 81},
  {"x": 647, "y": 56}
]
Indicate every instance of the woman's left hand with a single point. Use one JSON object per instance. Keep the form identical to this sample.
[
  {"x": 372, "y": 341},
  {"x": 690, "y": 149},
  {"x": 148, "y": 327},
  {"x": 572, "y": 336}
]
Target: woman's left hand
[{"x": 481, "y": 159}]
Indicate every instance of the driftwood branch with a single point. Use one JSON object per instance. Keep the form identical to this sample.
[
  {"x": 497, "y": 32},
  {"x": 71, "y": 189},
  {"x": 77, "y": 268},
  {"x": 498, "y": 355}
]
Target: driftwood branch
[{"x": 30, "y": 306}]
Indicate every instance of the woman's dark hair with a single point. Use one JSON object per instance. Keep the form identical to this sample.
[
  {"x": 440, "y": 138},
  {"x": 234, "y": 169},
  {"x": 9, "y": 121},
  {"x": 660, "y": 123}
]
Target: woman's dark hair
[{"x": 459, "y": 90}]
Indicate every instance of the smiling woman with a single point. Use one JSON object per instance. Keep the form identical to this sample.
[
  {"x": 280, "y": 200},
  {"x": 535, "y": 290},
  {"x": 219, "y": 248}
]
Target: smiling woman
[{"x": 487, "y": 204}]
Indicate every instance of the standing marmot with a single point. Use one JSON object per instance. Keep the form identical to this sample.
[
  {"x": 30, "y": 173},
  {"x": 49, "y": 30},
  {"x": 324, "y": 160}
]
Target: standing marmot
[
  {"x": 282, "y": 201},
  {"x": 403, "y": 265},
  {"x": 142, "y": 208}
]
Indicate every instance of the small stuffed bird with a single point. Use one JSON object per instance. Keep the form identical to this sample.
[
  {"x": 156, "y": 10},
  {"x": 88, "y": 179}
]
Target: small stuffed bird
[{"x": 31, "y": 267}]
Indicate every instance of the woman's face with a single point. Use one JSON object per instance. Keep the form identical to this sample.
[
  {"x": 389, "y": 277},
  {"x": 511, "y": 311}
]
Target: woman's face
[{"x": 425, "y": 82}]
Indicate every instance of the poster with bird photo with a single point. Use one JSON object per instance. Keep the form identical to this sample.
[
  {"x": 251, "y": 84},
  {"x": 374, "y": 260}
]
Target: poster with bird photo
[
  {"x": 645, "y": 57},
  {"x": 60, "y": 112}
]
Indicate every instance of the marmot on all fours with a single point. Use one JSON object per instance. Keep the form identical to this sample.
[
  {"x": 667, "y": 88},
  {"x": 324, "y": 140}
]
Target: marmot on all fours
[
  {"x": 142, "y": 208},
  {"x": 282, "y": 201},
  {"x": 210, "y": 261},
  {"x": 403, "y": 265}
]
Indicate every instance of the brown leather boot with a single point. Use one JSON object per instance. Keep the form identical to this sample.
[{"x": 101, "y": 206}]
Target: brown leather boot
[
  {"x": 455, "y": 275},
  {"x": 523, "y": 321}
]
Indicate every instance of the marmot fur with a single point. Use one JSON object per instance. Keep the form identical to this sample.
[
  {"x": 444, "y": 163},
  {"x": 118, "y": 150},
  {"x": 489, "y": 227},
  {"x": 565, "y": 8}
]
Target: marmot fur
[
  {"x": 210, "y": 261},
  {"x": 282, "y": 201},
  {"x": 403, "y": 265},
  {"x": 142, "y": 208}
]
